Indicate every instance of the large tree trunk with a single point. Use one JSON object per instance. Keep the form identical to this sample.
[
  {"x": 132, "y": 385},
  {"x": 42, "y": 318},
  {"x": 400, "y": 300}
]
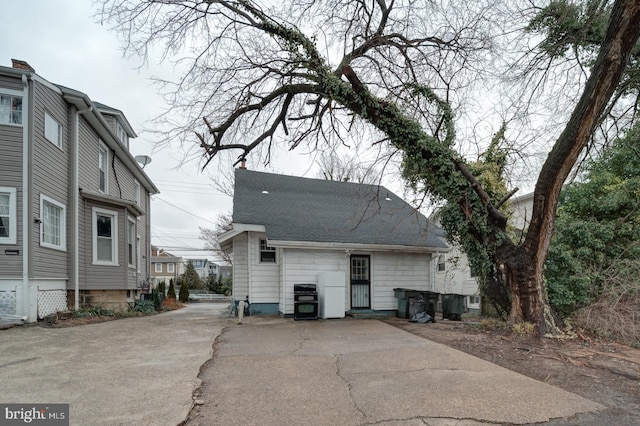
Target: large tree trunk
[
  {"x": 523, "y": 275},
  {"x": 521, "y": 268}
]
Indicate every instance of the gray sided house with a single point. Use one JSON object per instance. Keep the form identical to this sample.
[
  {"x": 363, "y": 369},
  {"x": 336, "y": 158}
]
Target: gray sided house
[
  {"x": 291, "y": 230},
  {"x": 74, "y": 203}
]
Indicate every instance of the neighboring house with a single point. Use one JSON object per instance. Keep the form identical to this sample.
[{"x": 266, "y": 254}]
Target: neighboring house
[
  {"x": 454, "y": 275},
  {"x": 74, "y": 203},
  {"x": 292, "y": 230},
  {"x": 165, "y": 266},
  {"x": 203, "y": 267},
  {"x": 225, "y": 271}
]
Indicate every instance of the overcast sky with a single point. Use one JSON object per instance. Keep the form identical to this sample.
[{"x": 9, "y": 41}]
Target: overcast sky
[{"x": 61, "y": 41}]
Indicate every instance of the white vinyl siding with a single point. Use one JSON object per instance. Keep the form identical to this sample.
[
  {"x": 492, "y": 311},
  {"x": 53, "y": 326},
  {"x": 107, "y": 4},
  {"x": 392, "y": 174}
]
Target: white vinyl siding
[
  {"x": 52, "y": 130},
  {"x": 8, "y": 215},
  {"x": 53, "y": 223},
  {"x": 103, "y": 169},
  {"x": 10, "y": 109},
  {"x": 303, "y": 266},
  {"x": 391, "y": 270},
  {"x": 105, "y": 237}
]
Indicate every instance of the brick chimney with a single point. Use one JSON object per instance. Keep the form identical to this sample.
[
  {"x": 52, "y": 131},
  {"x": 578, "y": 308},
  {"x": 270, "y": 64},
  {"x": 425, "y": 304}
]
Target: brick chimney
[{"x": 23, "y": 65}]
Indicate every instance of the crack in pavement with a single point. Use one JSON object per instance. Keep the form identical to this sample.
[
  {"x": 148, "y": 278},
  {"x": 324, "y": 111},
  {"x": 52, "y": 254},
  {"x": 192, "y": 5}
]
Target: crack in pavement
[{"x": 336, "y": 357}]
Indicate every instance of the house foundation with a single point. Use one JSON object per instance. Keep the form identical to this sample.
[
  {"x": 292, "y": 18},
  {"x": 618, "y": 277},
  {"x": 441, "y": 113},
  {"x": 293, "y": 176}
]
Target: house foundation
[{"x": 115, "y": 300}]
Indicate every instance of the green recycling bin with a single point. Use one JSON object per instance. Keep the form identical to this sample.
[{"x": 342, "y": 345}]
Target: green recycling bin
[{"x": 452, "y": 306}]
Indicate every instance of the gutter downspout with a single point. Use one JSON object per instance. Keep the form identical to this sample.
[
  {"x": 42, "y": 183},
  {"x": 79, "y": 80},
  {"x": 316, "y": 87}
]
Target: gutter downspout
[
  {"x": 26, "y": 203},
  {"x": 75, "y": 202}
]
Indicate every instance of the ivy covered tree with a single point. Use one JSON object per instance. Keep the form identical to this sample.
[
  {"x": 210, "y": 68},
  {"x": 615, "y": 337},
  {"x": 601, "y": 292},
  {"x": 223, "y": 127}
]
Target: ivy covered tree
[
  {"x": 598, "y": 228},
  {"x": 316, "y": 72}
]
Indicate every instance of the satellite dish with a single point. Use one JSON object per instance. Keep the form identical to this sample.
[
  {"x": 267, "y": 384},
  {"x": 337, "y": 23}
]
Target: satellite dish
[{"x": 143, "y": 159}]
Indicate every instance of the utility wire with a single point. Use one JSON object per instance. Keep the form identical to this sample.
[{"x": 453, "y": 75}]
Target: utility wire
[{"x": 183, "y": 210}]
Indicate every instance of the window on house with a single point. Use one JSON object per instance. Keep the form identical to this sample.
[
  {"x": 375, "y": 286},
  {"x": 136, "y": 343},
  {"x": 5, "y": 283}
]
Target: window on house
[
  {"x": 103, "y": 169},
  {"x": 441, "y": 264},
  {"x": 171, "y": 267},
  {"x": 8, "y": 215},
  {"x": 136, "y": 188},
  {"x": 267, "y": 254},
  {"x": 472, "y": 272},
  {"x": 474, "y": 300},
  {"x": 122, "y": 135},
  {"x": 10, "y": 109},
  {"x": 138, "y": 253},
  {"x": 52, "y": 130},
  {"x": 131, "y": 242},
  {"x": 158, "y": 267},
  {"x": 105, "y": 237},
  {"x": 52, "y": 223}
]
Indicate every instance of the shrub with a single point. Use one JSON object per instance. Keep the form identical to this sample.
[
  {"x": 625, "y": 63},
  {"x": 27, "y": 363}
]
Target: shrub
[
  {"x": 171, "y": 293},
  {"x": 184, "y": 293},
  {"x": 144, "y": 306},
  {"x": 162, "y": 288},
  {"x": 93, "y": 311}
]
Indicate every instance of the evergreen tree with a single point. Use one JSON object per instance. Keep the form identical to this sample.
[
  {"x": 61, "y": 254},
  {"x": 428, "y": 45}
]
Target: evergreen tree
[
  {"x": 171, "y": 293},
  {"x": 191, "y": 277},
  {"x": 183, "y": 296}
]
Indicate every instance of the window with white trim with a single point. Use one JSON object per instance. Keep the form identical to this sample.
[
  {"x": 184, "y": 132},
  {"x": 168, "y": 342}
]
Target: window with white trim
[
  {"x": 103, "y": 169},
  {"x": 441, "y": 263},
  {"x": 158, "y": 267},
  {"x": 267, "y": 254},
  {"x": 52, "y": 130},
  {"x": 53, "y": 228},
  {"x": 136, "y": 188},
  {"x": 10, "y": 109},
  {"x": 8, "y": 215},
  {"x": 171, "y": 268},
  {"x": 122, "y": 135},
  {"x": 131, "y": 242},
  {"x": 105, "y": 237}
]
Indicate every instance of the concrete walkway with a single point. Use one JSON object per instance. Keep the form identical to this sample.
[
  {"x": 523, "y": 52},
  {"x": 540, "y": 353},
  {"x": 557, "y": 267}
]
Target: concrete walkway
[
  {"x": 135, "y": 371},
  {"x": 268, "y": 371}
]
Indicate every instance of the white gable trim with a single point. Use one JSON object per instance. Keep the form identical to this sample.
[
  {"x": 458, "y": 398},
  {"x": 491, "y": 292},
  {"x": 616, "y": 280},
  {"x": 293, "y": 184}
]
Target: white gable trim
[{"x": 239, "y": 228}]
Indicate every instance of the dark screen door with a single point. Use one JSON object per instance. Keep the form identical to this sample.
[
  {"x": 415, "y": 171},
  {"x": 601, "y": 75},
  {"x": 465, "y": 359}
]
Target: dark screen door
[{"x": 360, "y": 282}]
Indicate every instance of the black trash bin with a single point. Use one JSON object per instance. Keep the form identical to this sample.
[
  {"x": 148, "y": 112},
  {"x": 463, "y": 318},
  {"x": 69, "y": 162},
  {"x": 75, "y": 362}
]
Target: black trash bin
[
  {"x": 403, "y": 295},
  {"x": 452, "y": 306},
  {"x": 431, "y": 301}
]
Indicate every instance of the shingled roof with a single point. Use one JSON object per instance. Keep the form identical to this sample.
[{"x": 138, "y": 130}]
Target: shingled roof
[{"x": 314, "y": 210}]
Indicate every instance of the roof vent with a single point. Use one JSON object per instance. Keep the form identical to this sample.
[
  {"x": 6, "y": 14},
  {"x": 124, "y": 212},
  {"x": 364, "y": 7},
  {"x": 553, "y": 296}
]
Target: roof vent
[{"x": 22, "y": 65}]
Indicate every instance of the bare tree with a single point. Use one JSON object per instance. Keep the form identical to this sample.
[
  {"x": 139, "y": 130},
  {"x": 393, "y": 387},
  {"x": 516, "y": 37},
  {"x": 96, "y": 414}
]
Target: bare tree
[
  {"x": 317, "y": 72},
  {"x": 210, "y": 236}
]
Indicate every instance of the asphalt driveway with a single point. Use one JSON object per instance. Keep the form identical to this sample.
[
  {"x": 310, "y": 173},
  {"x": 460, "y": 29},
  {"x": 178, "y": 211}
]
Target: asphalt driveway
[
  {"x": 134, "y": 371},
  {"x": 357, "y": 372},
  {"x": 268, "y": 371}
]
